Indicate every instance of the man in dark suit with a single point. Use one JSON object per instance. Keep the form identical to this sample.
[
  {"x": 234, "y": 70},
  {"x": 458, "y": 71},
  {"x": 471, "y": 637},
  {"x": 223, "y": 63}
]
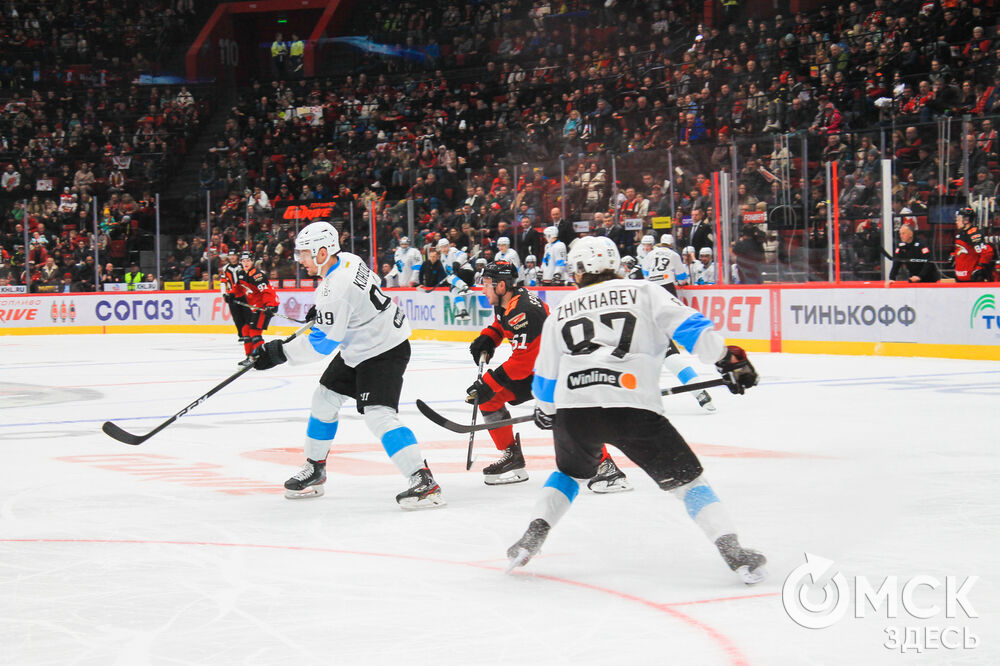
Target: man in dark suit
[
  {"x": 702, "y": 231},
  {"x": 566, "y": 233},
  {"x": 605, "y": 225},
  {"x": 529, "y": 241}
]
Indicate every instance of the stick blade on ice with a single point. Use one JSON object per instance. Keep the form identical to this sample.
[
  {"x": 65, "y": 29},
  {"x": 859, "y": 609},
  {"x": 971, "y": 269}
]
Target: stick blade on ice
[{"x": 113, "y": 431}]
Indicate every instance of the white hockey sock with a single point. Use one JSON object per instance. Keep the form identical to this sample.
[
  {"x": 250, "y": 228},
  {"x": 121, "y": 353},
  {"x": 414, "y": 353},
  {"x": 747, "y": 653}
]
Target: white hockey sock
[
  {"x": 678, "y": 365},
  {"x": 399, "y": 442},
  {"x": 322, "y": 427},
  {"x": 558, "y": 493},
  {"x": 705, "y": 509}
]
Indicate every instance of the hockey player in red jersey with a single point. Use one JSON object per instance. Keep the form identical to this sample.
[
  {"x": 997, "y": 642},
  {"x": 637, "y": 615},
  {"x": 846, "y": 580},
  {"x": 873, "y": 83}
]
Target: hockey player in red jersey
[
  {"x": 262, "y": 302},
  {"x": 973, "y": 255},
  {"x": 519, "y": 317}
]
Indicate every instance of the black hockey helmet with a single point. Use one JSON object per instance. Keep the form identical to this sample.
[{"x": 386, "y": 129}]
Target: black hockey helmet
[
  {"x": 246, "y": 255},
  {"x": 501, "y": 271},
  {"x": 968, "y": 213}
]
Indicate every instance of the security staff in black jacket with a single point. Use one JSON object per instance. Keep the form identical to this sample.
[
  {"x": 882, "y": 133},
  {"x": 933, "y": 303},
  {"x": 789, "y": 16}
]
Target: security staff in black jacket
[{"x": 915, "y": 257}]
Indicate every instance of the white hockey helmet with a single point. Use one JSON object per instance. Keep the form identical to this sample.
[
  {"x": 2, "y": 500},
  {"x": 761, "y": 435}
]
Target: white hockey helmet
[
  {"x": 317, "y": 235},
  {"x": 705, "y": 252},
  {"x": 647, "y": 240},
  {"x": 443, "y": 244},
  {"x": 628, "y": 261},
  {"x": 593, "y": 254},
  {"x": 404, "y": 241},
  {"x": 667, "y": 239},
  {"x": 480, "y": 262},
  {"x": 503, "y": 241},
  {"x": 551, "y": 233},
  {"x": 689, "y": 249},
  {"x": 530, "y": 259}
]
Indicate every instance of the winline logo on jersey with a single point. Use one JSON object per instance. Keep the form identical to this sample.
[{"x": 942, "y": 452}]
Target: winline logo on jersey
[{"x": 600, "y": 377}]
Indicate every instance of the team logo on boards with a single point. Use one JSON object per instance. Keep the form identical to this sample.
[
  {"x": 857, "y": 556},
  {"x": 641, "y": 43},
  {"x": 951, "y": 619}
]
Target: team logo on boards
[
  {"x": 600, "y": 377},
  {"x": 986, "y": 302}
]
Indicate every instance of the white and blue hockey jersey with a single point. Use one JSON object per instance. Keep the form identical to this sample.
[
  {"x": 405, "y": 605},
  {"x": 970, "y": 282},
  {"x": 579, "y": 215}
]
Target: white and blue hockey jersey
[
  {"x": 509, "y": 255},
  {"x": 554, "y": 262},
  {"x": 603, "y": 346},
  {"x": 664, "y": 266},
  {"x": 408, "y": 263},
  {"x": 353, "y": 316}
]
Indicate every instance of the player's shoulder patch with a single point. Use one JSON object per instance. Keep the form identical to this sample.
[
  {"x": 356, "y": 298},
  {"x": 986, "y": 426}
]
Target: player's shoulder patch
[{"x": 512, "y": 304}]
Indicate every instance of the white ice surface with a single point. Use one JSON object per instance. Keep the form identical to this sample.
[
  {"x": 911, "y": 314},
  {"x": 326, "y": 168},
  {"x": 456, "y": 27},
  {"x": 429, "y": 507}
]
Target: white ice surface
[{"x": 183, "y": 550}]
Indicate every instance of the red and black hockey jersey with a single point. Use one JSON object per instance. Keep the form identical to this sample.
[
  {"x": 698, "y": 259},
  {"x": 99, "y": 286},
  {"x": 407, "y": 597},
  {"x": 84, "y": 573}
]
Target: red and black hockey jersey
[
  {"x": 971, "y": 252},
  {"x": 253, "y": 286},
  {"x": 521, "y": 323}
]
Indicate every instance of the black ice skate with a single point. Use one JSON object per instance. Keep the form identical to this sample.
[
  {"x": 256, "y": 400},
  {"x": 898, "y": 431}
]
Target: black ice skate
[
  {"x": 749, "y": 564},
  {"x": 423, "y": 493},
  {"x": 308, "y": 481},
  {"x": 609, "y": 479},
  {"x": 510, "y": 467},
  {"x": 705, "y": 401},
  {"x": 528, "y": 545}
]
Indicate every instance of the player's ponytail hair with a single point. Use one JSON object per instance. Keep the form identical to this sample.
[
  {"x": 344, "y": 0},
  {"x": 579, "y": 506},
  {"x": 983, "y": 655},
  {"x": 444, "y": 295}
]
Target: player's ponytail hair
[{"x": 588, "y": 279}]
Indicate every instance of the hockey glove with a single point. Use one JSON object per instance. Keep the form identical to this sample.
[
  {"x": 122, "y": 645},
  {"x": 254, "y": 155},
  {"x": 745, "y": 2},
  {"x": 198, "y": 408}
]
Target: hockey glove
[
  {"x": 482, "y": 345},
  {"x": 544, "y": 421},
  {"x": 270, "y": 355},
  {"x": 737, "y": 371},
  {"x": 229, "y": 298},
  {"x": 311, "y": 315},
  {"x": 399, "y": 266},
  {"x": 480, "y": 391}
]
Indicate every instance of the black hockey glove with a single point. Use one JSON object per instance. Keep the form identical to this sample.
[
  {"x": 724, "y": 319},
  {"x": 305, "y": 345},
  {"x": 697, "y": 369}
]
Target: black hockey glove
[
  {"x": 270, "y": 355},
  {"x": 480, "y": 391},
  {"x": 311, "y": 315},
  {"x": 229, "y": 298},
  {"x": 544, "y": 421},
  {"x": 482, "y": 345},
  {"x": 737, "y": 371}
]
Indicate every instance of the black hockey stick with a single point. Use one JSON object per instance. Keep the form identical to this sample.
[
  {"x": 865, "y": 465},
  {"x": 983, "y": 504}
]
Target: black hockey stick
[
  {"x": 116, "y": 432},
  {"x": 475, "y": 412},
  {"x": 463, "y": 429}
]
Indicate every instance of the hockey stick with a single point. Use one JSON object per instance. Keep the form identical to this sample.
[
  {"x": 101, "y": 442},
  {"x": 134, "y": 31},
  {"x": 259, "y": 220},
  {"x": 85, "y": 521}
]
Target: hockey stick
[
  {"x": 475, "y": 412},
  {"x": 116, "y": 432},
  {"x": 463, "y": 429}
]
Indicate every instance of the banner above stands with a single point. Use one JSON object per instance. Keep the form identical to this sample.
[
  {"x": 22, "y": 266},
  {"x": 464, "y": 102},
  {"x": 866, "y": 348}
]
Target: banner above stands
[{"x": 947, "y": 320}]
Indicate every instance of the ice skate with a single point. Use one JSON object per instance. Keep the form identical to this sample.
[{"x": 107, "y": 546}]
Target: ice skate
[
  {"x": 747, "y": 563},
  {"x": 528, "y": 545},
  {"x": 510, "y": 467},
  {"x": 609, "y": 479},
  {"x": 705, "y": 401},
  {"x": 423, "y": 493},
  {"x": 308, "y": 481}
]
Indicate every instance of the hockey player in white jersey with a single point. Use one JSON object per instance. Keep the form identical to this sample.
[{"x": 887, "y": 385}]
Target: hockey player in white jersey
[
  {"x": 371, "y": 334},
  {"x": 645, "y": 247},
  {"x": 456, "y": 266},
  {"x": 504, "y": 253},
  {"x": 597, "y": 381},
  {"x": 703, "y": 270},
  {"x": 554, "y": 259},
  {"x": 531, "y": 275},
  {"x": 664, "y": 267},
  {"x": 630, "y": 270},
  {"x": 408, "y": 262}
]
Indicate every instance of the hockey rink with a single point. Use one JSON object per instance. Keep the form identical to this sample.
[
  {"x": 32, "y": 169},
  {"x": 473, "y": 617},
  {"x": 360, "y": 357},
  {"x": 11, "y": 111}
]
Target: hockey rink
[{"x": 183, "y": 550}]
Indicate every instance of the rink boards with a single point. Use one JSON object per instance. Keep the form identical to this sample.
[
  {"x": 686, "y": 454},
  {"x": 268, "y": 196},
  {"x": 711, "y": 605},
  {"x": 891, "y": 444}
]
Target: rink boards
[{"x": 952, "y": 321}]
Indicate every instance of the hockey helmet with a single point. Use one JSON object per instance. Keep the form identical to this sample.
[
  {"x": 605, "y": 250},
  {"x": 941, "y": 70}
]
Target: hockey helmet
[
  {"x": 705, "y": 252},
  {"x": 246, "y": 255},
  {"x": 689, "y": 249},
  {"x": 628, "y": 261},
  {"x": 233, "y": 252},
  {"x": 530, "y": 259},
  {"x": 968, "y": 213},
  {"x": 317, "y": 235},
  {"x": 647, "y": 240},
  {"x": 593, "y": 254},
  {"x": 504, "y": 241},
  {"x": 501, "y": 271},
  {"x": 551, "y": 233},
  {"x": 404, "y": 242},
  {"x": 667, "y": 239},
  {"x": 480, "y": 262},
  {"x": 443, "y": 244}
]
